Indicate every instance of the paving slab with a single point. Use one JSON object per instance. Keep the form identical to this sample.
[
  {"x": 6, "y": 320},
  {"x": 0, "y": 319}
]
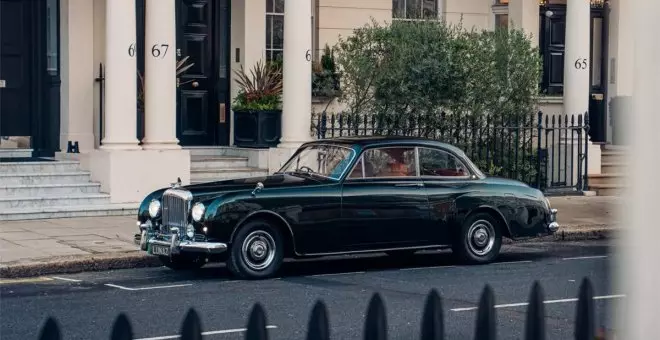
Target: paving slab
[{"x": 39, "y": 247}]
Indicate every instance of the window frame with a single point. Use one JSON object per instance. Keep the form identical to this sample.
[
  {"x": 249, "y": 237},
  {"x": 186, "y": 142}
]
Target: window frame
[
  {"x": 270, "y": 51},
  {"x": 500, "y": 8},
  {"x": 361, "y": 160},
  {"x": 439, "y": 8},
  {"x": 469, "y": 170}
]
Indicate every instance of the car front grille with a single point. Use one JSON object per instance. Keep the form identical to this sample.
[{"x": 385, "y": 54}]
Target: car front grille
[{"x": 176, "y": 208}]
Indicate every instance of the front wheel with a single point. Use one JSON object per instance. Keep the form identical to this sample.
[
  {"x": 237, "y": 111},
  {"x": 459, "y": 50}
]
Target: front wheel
[
  {"x": 257, "y": 251},
  {"x": 479, "y": 240}
]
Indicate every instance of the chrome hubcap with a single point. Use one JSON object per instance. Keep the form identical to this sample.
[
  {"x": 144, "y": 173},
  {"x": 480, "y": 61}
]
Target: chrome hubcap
[
  {"x": 258, "y": 250},
  {"x": 481, "y": 237}
]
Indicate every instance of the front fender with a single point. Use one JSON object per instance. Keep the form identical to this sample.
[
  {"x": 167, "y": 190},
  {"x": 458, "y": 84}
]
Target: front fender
[{"x": 143, "y": 210}]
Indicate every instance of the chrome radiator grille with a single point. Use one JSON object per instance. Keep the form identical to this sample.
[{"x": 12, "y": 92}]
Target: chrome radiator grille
[{"x": 176, "y": 207}]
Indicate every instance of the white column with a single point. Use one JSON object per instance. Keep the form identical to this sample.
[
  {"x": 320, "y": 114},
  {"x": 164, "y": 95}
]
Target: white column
[
  {"x": 160, "y": 75},
  {"x": 297, "y": 92},
  {"x": 577, "y": 57},
  {"x": 637, "y": 271},
  {"x": 120, "y": 115}
]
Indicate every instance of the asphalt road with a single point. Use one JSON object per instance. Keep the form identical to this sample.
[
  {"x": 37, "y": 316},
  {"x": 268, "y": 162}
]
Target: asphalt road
[{"x": 156, "y": 299}]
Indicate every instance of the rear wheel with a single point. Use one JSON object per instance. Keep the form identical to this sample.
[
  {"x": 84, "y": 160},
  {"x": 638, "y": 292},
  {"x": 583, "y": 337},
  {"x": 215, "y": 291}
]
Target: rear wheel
[
  {"x": 257, "y": 251},
  {"x": 479, "y": 240},
  {"x": 183, "y": 262}
]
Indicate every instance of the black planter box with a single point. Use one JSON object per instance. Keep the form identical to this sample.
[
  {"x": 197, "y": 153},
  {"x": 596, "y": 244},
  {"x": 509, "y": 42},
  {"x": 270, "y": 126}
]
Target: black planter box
[{"x": 257, "y": 129}]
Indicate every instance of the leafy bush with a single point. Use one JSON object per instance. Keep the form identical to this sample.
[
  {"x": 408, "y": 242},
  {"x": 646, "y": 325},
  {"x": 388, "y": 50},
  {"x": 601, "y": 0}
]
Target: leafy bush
[
  {"x": 485, "y": 79},
  {"x": 325, "y": 79}
]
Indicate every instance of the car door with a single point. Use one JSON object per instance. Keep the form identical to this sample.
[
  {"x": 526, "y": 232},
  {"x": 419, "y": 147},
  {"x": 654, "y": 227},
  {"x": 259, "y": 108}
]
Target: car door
[
  {"x": 384, "y": 202},
  {"x": 445, "y": 178}
]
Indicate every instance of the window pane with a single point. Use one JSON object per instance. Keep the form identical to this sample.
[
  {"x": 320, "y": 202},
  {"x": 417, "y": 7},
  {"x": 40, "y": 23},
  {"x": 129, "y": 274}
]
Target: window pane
[
  {"x": 278, "y": 31},
  {"x": 269, "y": 31},
  {"x": 357, "y": 170},
  {"x": 277, "y": 55},
  {"x": 279, "y": 6},
  {"x": 51, "y": 37},
  {"x": 430, "y": 8},
  {"x": 390, "y": 162},
  {"x": 413, "y": 9},
  {"x": 269, "y": 6},
  {"x": 501, "y": 20},
  {"x": 440, "y": 163},
  {"x": 398, "y": 8}
]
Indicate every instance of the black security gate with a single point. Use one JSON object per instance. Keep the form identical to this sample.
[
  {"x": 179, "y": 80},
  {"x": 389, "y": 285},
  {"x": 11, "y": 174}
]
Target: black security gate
[
  {"x": 549, "y": 152},
  {"x": 375, "y": 325}
]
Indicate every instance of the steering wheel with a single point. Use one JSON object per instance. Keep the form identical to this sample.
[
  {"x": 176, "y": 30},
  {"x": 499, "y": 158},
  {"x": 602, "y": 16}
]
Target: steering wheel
[{"x": 306, "y": 167}]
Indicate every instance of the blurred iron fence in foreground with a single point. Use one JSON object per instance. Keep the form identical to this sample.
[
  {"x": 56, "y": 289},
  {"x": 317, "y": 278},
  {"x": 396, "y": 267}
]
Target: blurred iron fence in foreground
[
  {"x": 549, "y": 152},
  {"x": 375, "y": 326}
]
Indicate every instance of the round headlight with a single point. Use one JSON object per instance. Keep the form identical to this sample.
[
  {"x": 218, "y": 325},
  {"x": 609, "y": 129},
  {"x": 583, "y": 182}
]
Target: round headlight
[
  {"x": 154, "y": 208},
  {"x": 198, "y": 212},
  {"x": 190, "y": 231}
]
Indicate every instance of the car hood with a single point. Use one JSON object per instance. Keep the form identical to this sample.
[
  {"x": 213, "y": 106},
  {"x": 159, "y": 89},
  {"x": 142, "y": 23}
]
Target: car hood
[{"x": 203, "y": 191}]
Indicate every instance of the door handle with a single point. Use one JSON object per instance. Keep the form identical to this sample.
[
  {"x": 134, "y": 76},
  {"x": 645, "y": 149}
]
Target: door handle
[{"x": 419, "y": 185}]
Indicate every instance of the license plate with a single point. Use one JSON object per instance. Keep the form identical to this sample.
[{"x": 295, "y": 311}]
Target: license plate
[{"x": 160, "y": 250}]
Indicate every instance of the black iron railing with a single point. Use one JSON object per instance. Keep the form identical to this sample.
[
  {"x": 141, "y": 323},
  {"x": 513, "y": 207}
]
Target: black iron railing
[
  {"x": 101, "y": 80},
  {"x": 546, "y": 151},
  {"x": 375, "y": 326}
]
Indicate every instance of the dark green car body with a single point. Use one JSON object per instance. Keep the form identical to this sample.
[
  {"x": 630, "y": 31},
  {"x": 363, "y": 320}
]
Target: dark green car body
[{"x": 323, "y": 216}]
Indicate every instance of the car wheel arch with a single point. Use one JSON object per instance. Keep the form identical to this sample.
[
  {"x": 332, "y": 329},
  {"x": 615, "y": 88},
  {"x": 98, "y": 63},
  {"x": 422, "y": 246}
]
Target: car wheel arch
[
  {"x": 278, "y": 221},
  {"x": 506, "y": 231}
]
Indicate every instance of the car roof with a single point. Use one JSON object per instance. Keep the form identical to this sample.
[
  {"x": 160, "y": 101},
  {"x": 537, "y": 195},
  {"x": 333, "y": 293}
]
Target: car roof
[{"x": 371, "y": 141}]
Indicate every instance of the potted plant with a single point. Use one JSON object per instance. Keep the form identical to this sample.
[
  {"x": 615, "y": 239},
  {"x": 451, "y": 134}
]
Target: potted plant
[
  {"x": 258, "y": 106},
  {"x": 325, "y": 78}
]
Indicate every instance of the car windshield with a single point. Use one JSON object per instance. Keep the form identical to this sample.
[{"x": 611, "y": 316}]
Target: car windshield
[{"x": 320, "y": 160}]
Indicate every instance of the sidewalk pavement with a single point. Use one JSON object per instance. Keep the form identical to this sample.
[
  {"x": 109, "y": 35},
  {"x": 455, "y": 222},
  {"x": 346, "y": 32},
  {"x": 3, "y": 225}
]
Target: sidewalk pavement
[{"x": 41, "y": 247}]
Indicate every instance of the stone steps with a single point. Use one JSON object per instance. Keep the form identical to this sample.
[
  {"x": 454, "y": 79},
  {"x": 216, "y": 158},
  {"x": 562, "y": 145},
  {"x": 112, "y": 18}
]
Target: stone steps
[
  {"x": 209, "y": 164},
  {"x": 15, "y": 153},
  {"x": 610, "y": 182},
  {"x": 36, "y": 189},
  {"x": 109, "y": 209},
  {"x": 16, "y": 202}
]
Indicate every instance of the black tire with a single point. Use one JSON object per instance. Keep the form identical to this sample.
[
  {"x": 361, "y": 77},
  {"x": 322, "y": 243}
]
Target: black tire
[
  {"x": 257, "y": 251},
  {"x": 183, "y": 262},
  {"x": 479, "y": 239}
]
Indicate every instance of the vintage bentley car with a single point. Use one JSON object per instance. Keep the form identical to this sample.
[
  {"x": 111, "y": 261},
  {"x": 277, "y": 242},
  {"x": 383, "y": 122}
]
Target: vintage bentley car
[{"x": 339, "y": 196}]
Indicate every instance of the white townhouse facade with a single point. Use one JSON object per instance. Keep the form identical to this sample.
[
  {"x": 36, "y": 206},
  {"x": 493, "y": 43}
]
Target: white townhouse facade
[{"x": 68, "y": 84}]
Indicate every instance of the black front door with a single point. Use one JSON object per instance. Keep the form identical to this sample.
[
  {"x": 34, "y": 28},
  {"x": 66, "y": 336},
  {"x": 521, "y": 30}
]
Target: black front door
[
  {"x": 16, "y": 30},
  {"x": 551, "y": 40},
  {"x": 203, "y": 37}
]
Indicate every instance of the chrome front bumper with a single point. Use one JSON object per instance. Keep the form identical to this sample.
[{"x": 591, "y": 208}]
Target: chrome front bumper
[
  {"x": 146, "y": 240},
  {"x": 553, "y": 226}
]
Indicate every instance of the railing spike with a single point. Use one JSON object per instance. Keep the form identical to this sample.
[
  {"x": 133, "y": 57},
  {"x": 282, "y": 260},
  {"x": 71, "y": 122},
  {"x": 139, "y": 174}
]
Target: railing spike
[
  {"x": 256, "y": 328},
  {"x": 318, "y": 328},
  {"x": 433, "y": 327},
  {"x": 122, "y": 330},
  {"x": 486, "y": 316},
  {"x": 584, "y": 320},
  {"x": 191, "y": 329},
  {"x": 535, "y": 323},
  {"x": 375, "y": 327},
  {"x": 50, "y": 330}
]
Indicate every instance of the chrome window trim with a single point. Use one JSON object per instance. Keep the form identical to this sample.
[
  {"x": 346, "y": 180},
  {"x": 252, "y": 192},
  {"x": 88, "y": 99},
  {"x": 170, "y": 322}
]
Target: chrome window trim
[{"x": 302, "y": 147}]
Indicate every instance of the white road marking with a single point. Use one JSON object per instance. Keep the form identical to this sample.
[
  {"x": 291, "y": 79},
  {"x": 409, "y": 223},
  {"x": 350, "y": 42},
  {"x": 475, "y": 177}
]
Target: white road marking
[
  {"x": 65, "y": 279},
  {"x": 222, "y": 331},
  {"x": 604, "y": 297},
  {"x": 513, "y": 262},
  {"x": 584, "y": 257},
  {"x": 146, "y": 288},
  {"x": 434, "y": 267},
  {"x": 336, "y": 274}
]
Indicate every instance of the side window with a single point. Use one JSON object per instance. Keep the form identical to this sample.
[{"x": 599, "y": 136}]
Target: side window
[
  {"x": 434, "y": 162},
  {"x": 357, "y": 170},
  {"x": 390, "y": 162}
]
